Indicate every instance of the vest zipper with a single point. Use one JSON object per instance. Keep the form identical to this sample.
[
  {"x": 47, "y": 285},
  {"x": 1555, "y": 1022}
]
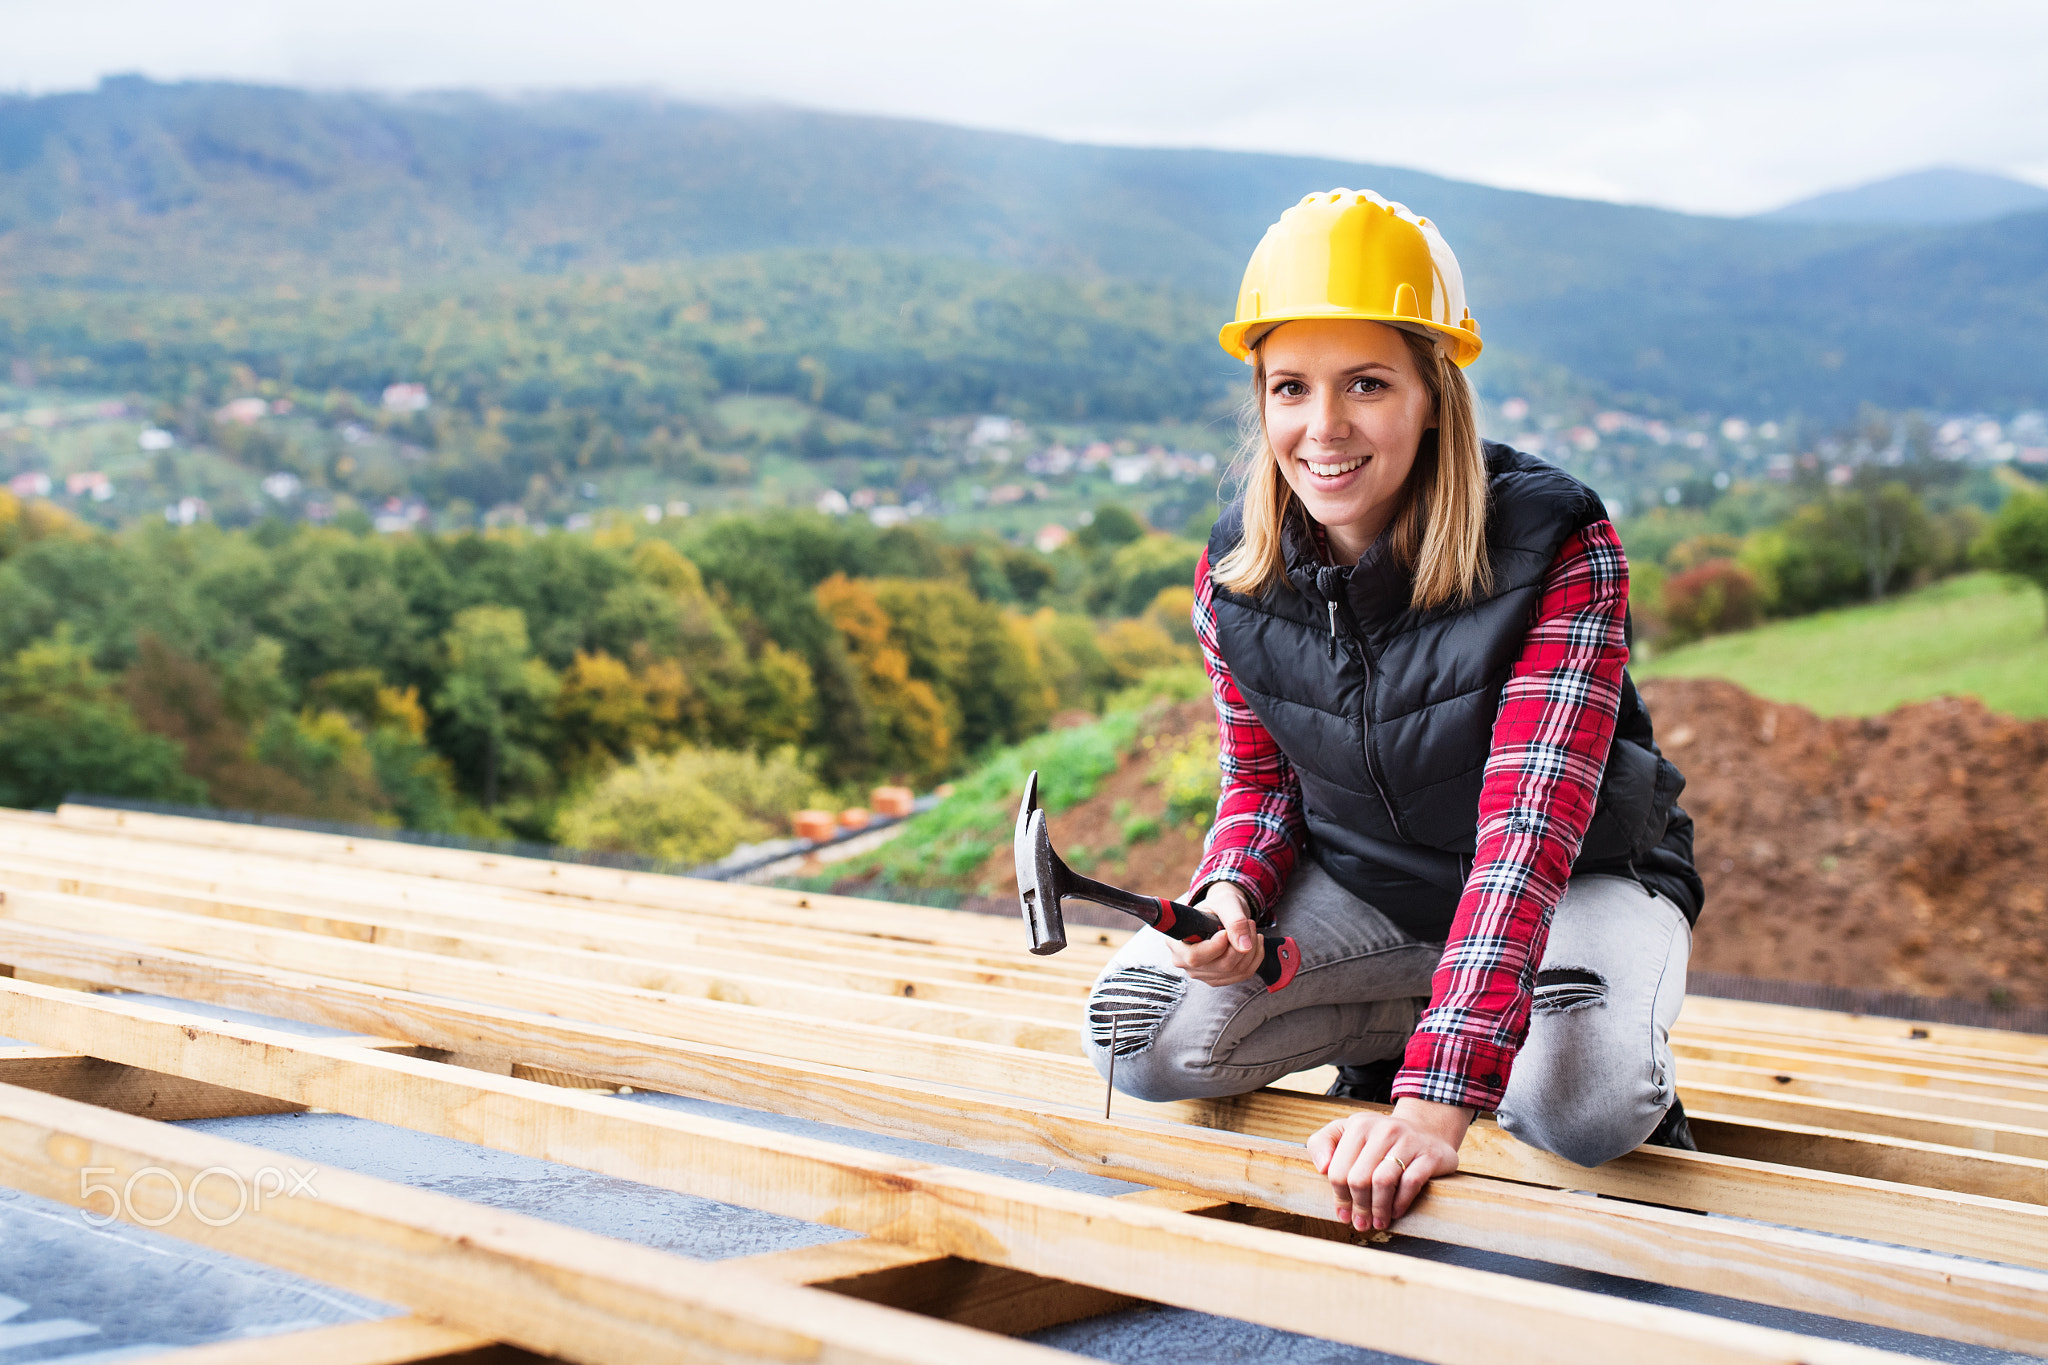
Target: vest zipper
[{"x": 1365, "y": 719}]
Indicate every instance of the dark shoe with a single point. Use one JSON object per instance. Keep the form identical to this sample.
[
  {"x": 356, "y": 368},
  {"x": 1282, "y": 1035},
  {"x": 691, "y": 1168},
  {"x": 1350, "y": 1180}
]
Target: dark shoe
[
  {"x": 1672, "y": 1131},
  {"x": 1373, "y": 1082}
]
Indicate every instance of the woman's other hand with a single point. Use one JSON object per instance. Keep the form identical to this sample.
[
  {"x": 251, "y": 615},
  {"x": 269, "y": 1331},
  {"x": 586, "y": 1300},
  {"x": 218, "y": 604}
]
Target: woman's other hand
[
  {"x": 1234, "y": 952},
  {"x": 1378, "y": 1163}
]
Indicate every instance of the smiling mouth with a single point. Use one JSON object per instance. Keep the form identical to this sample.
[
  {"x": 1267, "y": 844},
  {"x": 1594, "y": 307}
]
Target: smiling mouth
[{"x": 1331, "y": 471}]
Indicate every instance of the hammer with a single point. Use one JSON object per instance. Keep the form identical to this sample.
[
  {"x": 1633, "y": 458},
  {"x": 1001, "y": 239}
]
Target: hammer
[{"x": 1043, "y": 881}]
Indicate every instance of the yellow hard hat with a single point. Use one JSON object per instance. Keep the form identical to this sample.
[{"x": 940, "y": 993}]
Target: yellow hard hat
[{"x": 1352, "y": 254}]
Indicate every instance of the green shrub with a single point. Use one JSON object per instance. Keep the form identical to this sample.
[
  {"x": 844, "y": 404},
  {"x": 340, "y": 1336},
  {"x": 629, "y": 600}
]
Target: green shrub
[
  {"x": 2017, "y": 542},
  {"x": 690, "y": 806},
  {"x": 1192, "y": 780}
]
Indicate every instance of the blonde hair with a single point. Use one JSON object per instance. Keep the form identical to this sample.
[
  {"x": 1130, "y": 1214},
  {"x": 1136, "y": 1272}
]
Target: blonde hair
[{"x": 1439, "y": 535}]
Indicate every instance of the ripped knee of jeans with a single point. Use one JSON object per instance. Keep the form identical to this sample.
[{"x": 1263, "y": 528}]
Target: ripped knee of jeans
[
  {"x": 1129, "y": 1005},
  {"x": 1560, "y": 990}
]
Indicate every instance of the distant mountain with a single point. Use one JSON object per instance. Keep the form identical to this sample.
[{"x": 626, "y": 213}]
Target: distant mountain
[
  {"x": 215, "y": 187},
  {"x": 1945, "y": 194}
]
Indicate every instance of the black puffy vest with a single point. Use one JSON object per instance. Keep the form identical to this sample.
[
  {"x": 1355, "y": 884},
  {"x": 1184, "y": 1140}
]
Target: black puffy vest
[{"x": 1387, "y": 712}]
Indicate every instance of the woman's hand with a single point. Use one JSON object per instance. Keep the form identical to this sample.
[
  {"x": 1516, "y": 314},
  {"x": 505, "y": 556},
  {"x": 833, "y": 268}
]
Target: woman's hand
[
  {"x": 1378, "y": 1163},
  {"x": 1231, "y": 954}
]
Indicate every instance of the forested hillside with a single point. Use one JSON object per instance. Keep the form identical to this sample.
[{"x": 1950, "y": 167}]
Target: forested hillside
[
  {"x": 210, "y": 187},
  {"x": 513, "y": 683}
]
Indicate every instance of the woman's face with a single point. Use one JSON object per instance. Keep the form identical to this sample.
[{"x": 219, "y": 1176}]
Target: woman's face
[{"x": 1345, "y": 410}]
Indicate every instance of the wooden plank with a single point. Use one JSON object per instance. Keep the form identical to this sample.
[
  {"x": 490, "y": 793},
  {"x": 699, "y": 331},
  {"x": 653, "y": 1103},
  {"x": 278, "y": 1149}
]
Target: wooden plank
[
  {"x": 803, "y": 1036},
  {"x": 133, "y": 1090},
  {"x": 652, "y": 891},
  {"x": 387, "y": 1341},
  {"x": 238, "y": 938},
  {"x": 621, "y": 959},
  {"x": 815, "y": 1037},
  {"x": 1934, "y": 1075},
  {"x": 1789, "y": 1077},
  {"x": 1873, "y": 1157},
  {"x": 1798, "y": 1022},
  {"x": 552, "y": 1289},
  {"x": 1911, "y": 1291},
  {"x": 296, "y": 905},
  {"x": 1898, "y": 1051},
  {"x": 1949, "y": 1094},
  {"x": 878, "y": 1272},
  {"x": 1955, "y": 1218},
  {"x": 2003, "y": 1139},
  {"x": 283, "y": 882},
  {"x": 989, "y": 1298},
  {"x": 456, "y": 927}
]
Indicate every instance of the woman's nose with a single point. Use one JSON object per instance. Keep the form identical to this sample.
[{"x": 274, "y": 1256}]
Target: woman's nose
[{"x": 1327, "y": 421}]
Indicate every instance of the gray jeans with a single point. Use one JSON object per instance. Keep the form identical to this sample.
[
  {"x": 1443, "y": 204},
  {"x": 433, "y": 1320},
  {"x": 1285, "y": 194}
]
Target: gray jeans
[{"x": 1593, "y": 1078}]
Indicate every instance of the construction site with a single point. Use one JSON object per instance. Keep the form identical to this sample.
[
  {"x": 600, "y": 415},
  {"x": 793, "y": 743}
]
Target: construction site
[{"x": 273, "y": 1095}]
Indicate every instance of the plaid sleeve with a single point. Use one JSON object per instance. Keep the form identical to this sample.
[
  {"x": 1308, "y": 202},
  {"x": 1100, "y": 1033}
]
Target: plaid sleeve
[
  {"x": 1550, "y": 741},
  {"x": 1258, "y": 815}
]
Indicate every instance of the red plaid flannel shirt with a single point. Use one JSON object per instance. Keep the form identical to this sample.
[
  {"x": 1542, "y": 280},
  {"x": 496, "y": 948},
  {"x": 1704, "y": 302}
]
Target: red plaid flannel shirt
[{"x": 1550, "y": 741}]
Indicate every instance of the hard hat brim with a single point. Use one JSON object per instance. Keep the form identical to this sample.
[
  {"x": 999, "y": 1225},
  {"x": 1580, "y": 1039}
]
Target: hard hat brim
[{"x": 1465, "y": 344}]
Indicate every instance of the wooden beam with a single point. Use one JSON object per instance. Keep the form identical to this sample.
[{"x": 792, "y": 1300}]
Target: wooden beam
[
  {"x": 1788, "y": 1077},
  {"x": 1892, "y": 1051},
  {"x": 1800, "y": 1022},
  {"x": 796, "y": 1035},
  {"x": 551, "y": 1289},
  {"x": 282, "y": 882},
  {"x": 295, "y": 905},
  {"x": 1937, "y": 1219},
  {"x": 878, "y": 1272},
  {"x": 1911, "y": 1291},
  {"x": 814, "y": 1038},
  {"x": 386, "y": 1341},
  {"x": 620, "y": 889},
  {"x": 538, "y": 923},
  {"x": 989, "y": 1298},
  {"x": 2002, "y": 1139},
  {"x": 133, "y": 1090},
  {"x": 238, "y": 938},
  {"x": 1935, "y": 1075},
  {"x": 455, "y": 927}
]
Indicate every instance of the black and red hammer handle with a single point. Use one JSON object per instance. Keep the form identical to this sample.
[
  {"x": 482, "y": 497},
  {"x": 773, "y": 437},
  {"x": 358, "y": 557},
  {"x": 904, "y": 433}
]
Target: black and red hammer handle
[
  {"x": 1190, "y": 925},
  {"x": 1184, "y": 922}
]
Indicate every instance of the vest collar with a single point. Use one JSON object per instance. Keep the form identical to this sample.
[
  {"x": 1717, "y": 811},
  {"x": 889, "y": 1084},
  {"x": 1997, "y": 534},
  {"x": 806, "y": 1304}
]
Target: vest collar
[{"x": 1375, "y": 590}]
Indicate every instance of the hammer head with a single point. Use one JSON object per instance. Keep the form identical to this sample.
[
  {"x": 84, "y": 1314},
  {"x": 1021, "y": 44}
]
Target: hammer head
[{"x": 1038, "y": 869}]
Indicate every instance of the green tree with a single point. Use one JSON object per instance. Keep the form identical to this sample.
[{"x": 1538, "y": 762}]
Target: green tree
[
  {"x": 1141, "y": 568},
  {"x": 178, "y": 697},
  {"x": 63, "y": 728},
  {"x": 1112, "y": 525},
  {"x": 2017, "y": 542},
  {"x": 987, "y": 676},
  {"x": 495, "y": 693}
]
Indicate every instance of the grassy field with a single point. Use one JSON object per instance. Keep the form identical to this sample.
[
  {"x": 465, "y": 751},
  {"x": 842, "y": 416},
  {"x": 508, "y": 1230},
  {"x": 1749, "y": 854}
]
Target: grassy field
[{"x": 1976, "y": 635}]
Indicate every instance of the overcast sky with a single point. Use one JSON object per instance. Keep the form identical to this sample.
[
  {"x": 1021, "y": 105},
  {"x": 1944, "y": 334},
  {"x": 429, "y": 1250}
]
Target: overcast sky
[{"x": 1725, "y": 107}]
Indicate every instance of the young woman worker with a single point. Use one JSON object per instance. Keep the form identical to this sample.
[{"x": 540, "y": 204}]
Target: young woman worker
[{"x": 1417, "y": 645}]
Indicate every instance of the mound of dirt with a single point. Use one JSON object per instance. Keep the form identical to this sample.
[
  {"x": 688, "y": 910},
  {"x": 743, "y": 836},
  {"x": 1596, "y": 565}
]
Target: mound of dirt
[{"x": 1905, "y": 852}]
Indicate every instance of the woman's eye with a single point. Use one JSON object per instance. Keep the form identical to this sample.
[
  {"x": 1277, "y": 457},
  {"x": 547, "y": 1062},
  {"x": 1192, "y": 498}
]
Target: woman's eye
[
  {"x": 1367, "y": 384},
  {"x": 1290, "y": 388}
]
